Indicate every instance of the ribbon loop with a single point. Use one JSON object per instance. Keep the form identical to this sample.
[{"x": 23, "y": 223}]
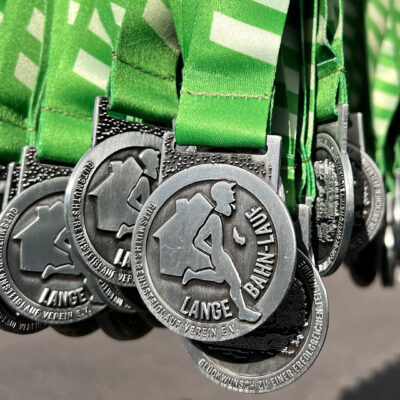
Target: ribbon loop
[
  {"x": 143, "y": 75},
  {"x": 229, "y": 73}
]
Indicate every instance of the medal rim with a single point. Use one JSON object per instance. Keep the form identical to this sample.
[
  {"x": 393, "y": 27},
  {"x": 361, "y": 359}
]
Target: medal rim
[
  {"x": 7, "y": 314},
  {"x": 388, "y": 261},
  {"x": 133, "y": 308},
  {"x": 97, "y": 155},
  {"x": 196, "y": 355},
  {"x": 377, "y": 175},
  {"x": 284, "y": 270},
  {"x": 339, "y": 255},
  {"x": 27, "y": 198}
]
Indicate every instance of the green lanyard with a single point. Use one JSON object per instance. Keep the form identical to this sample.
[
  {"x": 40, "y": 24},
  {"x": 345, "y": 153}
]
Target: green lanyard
[
  {"x": 332, "y": 88},
  {"x": 384, "y": 78},
  {"x": 145, "y": 55},
  {"x": 2, "y": 8},
  {"x": 354, "y": 51},
  {"x": 357, "y": 71},
  {"x": 184, "y": 15},
  {"x": 82, "y": 71},
  {"x": 309, "y": 27},
  {"x": 23, "y": 39},
  {"x": 286, "y": 101},
  {"x": 284, "y": 116},
  {"x": 229, "y": 72},
  {"x": 77, "y": 73},
  {"x": 112, "y": 14}
]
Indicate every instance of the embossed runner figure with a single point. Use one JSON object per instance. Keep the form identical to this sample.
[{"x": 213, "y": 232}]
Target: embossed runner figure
[
  {"x": 121, "y": 195},
  {"x": 199, "y": 251}
]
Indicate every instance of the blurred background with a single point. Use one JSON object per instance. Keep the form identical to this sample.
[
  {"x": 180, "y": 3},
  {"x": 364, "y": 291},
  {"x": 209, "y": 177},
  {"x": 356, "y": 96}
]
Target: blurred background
[{"x": 360, "y": 359}]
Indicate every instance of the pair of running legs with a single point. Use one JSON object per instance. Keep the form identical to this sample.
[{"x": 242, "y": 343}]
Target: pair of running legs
[
  {"x": 210, "y": 241},
  {"x": 245, "y": 313}
]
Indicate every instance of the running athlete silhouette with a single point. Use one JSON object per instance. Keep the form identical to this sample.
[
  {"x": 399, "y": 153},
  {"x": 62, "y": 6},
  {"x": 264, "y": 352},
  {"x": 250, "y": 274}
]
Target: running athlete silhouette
[
  {"x": 208, "y": 241},
  {"x": 121, "y": 195}
]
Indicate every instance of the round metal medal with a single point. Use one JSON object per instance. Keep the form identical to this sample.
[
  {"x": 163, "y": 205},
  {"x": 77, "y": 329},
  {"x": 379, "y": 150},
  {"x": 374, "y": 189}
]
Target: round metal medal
[
  {"x": 10, "y": 322},
  {"x": 396, "y": 213},
  {"x": 334, "y": 205},
  {"x": 106, "y": 191},
  {"x": 123, "y": 299},
  {"x": 278, "y": 352},
  {"x": 213, "y": 252},
  {"x": 41, "y": 276},
  {"x": 389, "y": 260},
  {"x": 369, "y": 199}
]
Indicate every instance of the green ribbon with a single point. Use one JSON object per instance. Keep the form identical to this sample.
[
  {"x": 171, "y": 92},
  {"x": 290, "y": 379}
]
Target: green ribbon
[
  {"x": 143, "y": 74},
  {"x": 112, "y": 14},
  {"x": 144, "y": 47},
  {"x": 355, "y": 54},
  {"x": 38, "y": 94},
  {"x": 287, "y": 82},
  {"x": 229, "y": 72},
  {"x": 384, "y": 78},
  {"x": 23, "y": 34},
  {"x": 184, "y": 15},
  {"x": 77, "y": 73},
  {"x": 331, "y": 89},
  {"x": 2, "y": 9},
  {"x": 357, "y": 72},
  {"x": 309, "y": 28},
  {"x": 286, "y": 103}
]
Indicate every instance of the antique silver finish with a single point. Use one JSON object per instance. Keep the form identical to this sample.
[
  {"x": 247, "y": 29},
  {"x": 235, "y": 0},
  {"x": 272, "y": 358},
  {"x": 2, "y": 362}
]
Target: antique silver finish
[
  {"x": 334, "y": 205},
  {"x": 3, "y": 181},
  {"x": 369, "y": 190},
  {"x": 213, "y": 251},
  {"x": 11, "y": 321},
  {"x": 42, "y": 278},
  {"x": 396, "y": 212},
  {"x": 389, "y": 261},
  {"x": 106, "y": 191},
  {"x": 119, "y": 298},
  {"x": 12, "y": 181},
  {"x": 303, "y": 228},
  {"x": 279, "y": 351},
  {"x": 265, "y": 165}
]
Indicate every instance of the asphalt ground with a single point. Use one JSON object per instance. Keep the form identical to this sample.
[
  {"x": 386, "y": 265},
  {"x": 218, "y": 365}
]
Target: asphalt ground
[{"x": 360, "y": 359}]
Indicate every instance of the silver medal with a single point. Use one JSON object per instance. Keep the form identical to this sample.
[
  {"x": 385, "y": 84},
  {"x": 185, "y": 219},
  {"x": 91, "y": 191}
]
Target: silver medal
[
  {"x": 369, "y": 190},
  {"x": 389, "y": 261},
  {"x": 3, "y": 182},
  {"x": 11, "y": 321},
  {"x": 396, "y": 213},
  {"x": 12, "y": 182},
  {"x": 279, "y": 351},
  {"x": 119, "y": 298},
  {"x": 41, "y": 276},
  {"x": 334, "y": 205},
  {"x": 106, "y": 191},
  {"x": 213, "y": 250}
]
